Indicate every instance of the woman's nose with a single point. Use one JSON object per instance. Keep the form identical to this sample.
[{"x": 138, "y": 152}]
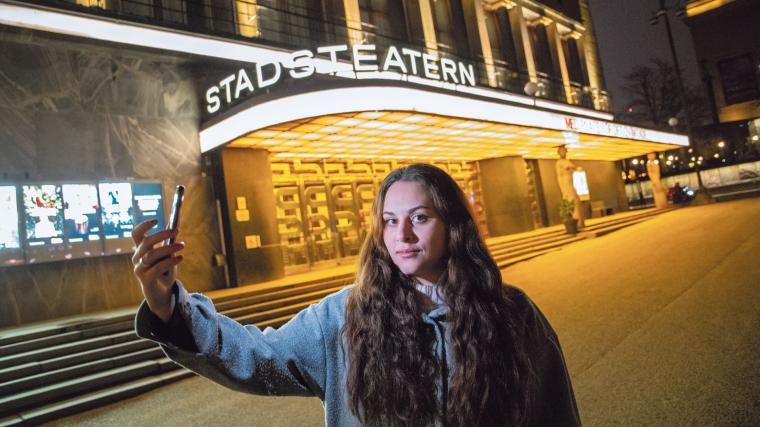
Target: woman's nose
[{"x": 404, "y": 232}]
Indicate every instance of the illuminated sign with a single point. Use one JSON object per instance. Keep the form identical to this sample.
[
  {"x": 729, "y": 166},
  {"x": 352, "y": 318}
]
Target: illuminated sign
[
  {"x": 116, "y": 203},
  {"x": 364, "y": 59},
  {"x": 580, "y": 183},
  {"x": 9, "y": 235}
]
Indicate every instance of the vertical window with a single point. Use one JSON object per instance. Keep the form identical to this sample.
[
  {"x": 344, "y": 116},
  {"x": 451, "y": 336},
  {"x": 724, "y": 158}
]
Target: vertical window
[
  {"x": 450, "y": 31},
  {"x": 300, "y": 23},
  {"x": 384, "y": 21},
  {"x": 500, "y": 34},
  {"x": 573, "y": 61},
  {"x": 247, "y": 18},
  {"x": 739, "y": 79},
  {"x": 541, "y": 52}
]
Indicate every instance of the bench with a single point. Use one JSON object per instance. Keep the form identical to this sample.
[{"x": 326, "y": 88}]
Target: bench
[{"x": 599, "y": 206}]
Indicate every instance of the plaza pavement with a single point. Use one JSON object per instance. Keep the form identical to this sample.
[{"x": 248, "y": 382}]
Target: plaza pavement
[{"x": 659, "y": 323}]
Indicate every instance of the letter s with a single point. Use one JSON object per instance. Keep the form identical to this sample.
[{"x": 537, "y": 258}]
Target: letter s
[{"x": 212, "y": 98}]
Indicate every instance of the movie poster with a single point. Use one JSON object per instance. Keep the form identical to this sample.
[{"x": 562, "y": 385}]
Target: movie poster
[
  {"x": 80, "y": 210},
  {"x": 43, "y": 214},
  {"x": 117, "y": 211},
  {"x": 9, "y": 236}
]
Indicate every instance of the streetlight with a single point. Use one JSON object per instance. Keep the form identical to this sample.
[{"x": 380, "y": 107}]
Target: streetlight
[{"x": 663, "y": 12}]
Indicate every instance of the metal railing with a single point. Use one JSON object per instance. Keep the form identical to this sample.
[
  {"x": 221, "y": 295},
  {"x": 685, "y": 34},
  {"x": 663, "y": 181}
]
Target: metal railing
[{"x": 298, "y": 26}]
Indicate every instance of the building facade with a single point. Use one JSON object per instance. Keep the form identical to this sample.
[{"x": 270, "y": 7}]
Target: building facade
[
  {"x": 281, "y": 118},
  {"x": 727, "y": 46}
]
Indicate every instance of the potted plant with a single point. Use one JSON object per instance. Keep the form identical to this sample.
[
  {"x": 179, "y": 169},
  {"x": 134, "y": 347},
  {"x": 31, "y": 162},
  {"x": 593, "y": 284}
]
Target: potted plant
[{"x": 566, "y": 208}]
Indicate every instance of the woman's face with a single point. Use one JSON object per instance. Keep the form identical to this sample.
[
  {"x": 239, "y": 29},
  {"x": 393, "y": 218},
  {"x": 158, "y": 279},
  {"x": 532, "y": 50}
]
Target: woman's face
[{"x": 413, "y": 231}]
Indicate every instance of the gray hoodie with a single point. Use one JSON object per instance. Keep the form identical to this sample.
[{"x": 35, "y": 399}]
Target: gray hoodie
[{"x": 304, "y": 357}]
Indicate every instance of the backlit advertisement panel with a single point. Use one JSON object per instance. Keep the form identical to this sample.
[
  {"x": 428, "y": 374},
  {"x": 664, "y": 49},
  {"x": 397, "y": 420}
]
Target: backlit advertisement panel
[
  {"x": 10, "y": 238},
  {"x": 116, "y": 203},
  {"x": 117, "y": 215},
  {"x": 43, "y": 222},
  {"x": 43, "y": 214},
  {"x": 81, "y": 212},
  {"x": 82, "y": 223}
]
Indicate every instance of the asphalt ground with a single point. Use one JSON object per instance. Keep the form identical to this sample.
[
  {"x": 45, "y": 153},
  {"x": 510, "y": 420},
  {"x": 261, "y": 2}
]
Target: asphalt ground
[{"x": 659, "y": 323}]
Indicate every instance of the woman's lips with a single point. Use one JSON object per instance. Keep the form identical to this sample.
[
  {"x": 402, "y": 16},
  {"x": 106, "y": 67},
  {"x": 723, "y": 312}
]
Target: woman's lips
[{"x": 407, "y": 253}]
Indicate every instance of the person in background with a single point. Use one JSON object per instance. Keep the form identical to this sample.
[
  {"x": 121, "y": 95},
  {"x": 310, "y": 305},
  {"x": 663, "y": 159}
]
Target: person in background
[{"x": 427, "y": 335}]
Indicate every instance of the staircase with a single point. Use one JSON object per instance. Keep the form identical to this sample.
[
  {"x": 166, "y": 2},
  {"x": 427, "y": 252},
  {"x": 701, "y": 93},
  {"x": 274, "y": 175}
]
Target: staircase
[{"x": 56, "y": 369}]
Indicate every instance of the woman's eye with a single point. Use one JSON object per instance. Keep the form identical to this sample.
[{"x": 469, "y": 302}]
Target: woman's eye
[
  {"x": 389, "y": 221},
  {"x": 420, "y": 218}
]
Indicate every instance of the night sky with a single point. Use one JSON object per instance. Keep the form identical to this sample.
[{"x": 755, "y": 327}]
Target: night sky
[{"x": 626, "y": 39}]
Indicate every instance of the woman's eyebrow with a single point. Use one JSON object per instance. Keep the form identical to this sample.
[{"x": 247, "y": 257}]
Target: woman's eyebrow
[{"x": 416, "y": 208}]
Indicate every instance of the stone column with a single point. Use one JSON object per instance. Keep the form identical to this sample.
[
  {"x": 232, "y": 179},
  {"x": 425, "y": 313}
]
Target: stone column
[
  {"x": 428, "y": 26},
  {"x": 520, "y": 31},
  {"x": 353, "y": 21},
  {"x": 481, "y": 16}
]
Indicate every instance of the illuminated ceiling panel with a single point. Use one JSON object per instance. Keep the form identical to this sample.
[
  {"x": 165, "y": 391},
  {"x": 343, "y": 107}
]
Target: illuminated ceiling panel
[{"x": 405, "y": 135}]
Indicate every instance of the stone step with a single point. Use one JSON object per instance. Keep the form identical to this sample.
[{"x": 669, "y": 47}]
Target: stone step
[
  {"x": 94, "y": 399},
  {"x": 59, "y": 375},
  {"x": 50, "y": 393},
  {"x": 60, "y": 326},
  {"x": 278, "y": 294},
  {"x": 269, "y": 306},
  {"x": 66, "y": 337},
  {"x": 63, "y": 349},
  {"x": 73, "y": 359}
]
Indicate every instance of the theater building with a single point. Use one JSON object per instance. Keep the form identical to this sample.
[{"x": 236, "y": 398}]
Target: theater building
[{"x": 281, "y": 119}]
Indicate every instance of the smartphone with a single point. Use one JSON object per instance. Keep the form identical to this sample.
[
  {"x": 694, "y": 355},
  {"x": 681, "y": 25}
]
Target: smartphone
[{"x": 173, "y": 224}]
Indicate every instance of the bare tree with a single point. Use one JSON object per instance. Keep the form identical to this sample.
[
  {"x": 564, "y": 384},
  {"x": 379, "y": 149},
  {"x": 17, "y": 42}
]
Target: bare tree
[{"x": 654, "y": 95}]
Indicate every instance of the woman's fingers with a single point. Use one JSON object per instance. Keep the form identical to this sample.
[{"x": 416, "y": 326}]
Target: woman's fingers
[
  {"x": 156, "y": 255},
  {"x": 147, "y": 243},
  {"x": 166, "y": 265},
  {"x": 138, "y": 233}
]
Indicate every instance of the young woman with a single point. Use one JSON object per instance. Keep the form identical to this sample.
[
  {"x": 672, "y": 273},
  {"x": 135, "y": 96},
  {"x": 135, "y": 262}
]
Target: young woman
[{"x": 428, "y": 335}]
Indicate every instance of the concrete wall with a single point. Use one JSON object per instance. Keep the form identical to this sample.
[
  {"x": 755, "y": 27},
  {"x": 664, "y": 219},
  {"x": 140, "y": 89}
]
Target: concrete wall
[
  {"x": 77, "y": 110},
  {"x": 604, "y": 183},
  {"x": 505, "y": 195}
]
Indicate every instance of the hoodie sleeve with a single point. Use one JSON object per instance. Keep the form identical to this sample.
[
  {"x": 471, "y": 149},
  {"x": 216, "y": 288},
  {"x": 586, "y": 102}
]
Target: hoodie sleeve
[{"x": 289, "y": 360}]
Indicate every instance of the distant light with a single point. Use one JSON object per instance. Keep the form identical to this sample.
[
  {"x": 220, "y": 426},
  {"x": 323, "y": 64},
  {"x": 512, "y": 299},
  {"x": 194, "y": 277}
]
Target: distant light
[
  {"x": 635, "y": 161},
  {"x": 670, "y": 158},
  {"x": 690, "y": 192},
  {"x": 630, "y": 109},
  {"x": 701, "y": 158},
  {"x": 693, "y": 159},
  {"x": 691, "y": 164},
  {"x": 669, "y": 163},
  {"x": 690, "y": 150},
  {"x": 716, "y": 155},
  {"x": 721, "y": 144},
  {"x": 755, "y": 137},
  {"x": 724, "y": 160},
  {"x": 676, "y": 157}
]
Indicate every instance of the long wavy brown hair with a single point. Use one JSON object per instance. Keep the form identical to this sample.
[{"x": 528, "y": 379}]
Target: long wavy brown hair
[{"x": 393, "y": 369}]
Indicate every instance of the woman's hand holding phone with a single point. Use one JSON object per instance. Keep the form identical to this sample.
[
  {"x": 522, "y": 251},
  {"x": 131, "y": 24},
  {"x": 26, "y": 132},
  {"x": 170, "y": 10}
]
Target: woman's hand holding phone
[{"x": 156, "y": 267}]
